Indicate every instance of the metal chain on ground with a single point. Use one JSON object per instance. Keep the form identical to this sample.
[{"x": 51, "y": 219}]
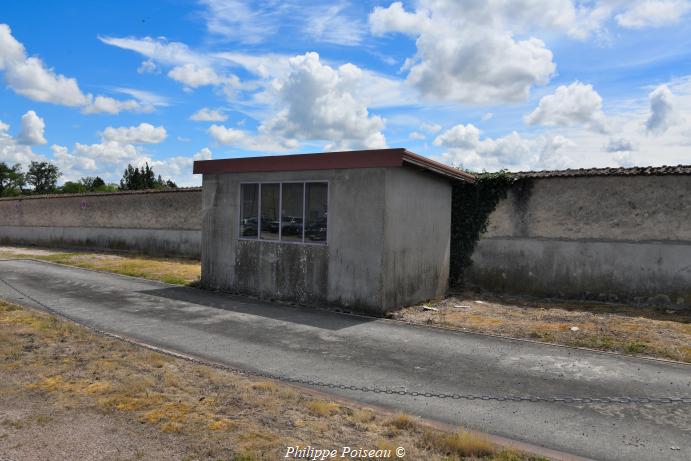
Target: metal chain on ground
[{"x": 366, "y": 389}]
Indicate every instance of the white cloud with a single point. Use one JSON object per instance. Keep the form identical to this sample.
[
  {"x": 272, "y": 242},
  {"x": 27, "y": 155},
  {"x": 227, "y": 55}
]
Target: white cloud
[
  {"x": 653, "y": 13},
  {"x": 209, "y": 115},
  {"x": 465, "y": 55},
  {"x": 264, "y": 142},
  {"x": 144, "y": 133},
  {"x": 159, "y": 50},
  {"x": 108, "y": 105},
  {"x": 235, "y": 20},
  {"x": 108, "y": 158},
  {"x": 318, "y": 102},
  {"x": 466, "y": 137},
  {"x": 662, "y": 113},
  {"x": 33, "y": 129},
  {"x": 417, "y": 136},
  {"x": 431, "y": 127},
  {"x": 575, "y": 104},
  {"x": 228, "y": 136},
  {"x": 29, "y": 77},
  {"x": 179, "y": 168},
  {"x": 12, "y": 151},
  {"x": 328, "y": 24},
  {"x": 195, "y": 76},
  {"x": 464, "y": 148},
  {"x": 147, "y": 67}
]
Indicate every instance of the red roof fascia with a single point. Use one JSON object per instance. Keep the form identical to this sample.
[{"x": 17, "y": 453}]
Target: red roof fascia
[{"x": 375, "y": 158}]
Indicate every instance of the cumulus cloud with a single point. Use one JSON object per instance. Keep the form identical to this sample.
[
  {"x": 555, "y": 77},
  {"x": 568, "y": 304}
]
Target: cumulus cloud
[
  {"x": 464, "y": 148},
  {"x": 318, "y": 102},
  {"x": 29, "y": 77},
  {"x": 13, "y": 151},
  {"x": 662, "y": 113},
  {"x": 417, "y": 136},
  {"x": 33, "y": 128},
  {"x": 108, "y": 158},
  {"x": 144, "y": 133},
  {"x": 464, "y": 55},
  {"x": 209, "y": 115},
  {"x": 575, "y": 104},
  {"x": 653, "y": 13},
  {"x": 179, "y": 167}
]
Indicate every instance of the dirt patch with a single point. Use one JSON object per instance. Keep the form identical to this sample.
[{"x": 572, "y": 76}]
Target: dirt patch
[
  {"x": 68, "y": 393},
  {"x": 626, "y": 329}
]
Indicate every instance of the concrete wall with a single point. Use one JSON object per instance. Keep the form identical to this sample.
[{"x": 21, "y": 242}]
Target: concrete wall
[
  {"x": 365, "y": 206},
  {"x": 417, "y": 228},
  {"x": 154, "y": 222},
  {"x": 616, "y": 238}
]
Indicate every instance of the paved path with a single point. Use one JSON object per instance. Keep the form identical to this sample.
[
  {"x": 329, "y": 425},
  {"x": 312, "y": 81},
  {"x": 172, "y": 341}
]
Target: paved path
[{"x": 332, "y": 347}]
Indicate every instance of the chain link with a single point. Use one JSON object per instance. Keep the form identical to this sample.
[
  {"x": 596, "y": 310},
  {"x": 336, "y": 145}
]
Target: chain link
[{"x": 623, "y": 400}]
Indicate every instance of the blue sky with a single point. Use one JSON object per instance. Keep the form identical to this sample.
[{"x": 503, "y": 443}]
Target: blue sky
[{"x": 516, "y": 84}]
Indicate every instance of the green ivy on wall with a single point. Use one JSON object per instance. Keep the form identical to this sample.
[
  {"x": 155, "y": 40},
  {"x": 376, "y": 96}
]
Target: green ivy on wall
[{"x": 472, "y": 205}]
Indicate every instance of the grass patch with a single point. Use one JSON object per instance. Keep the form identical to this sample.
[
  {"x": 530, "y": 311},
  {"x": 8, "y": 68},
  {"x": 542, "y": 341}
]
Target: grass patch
[
  {"x": 624, "y": 329},
  {"x": 66, "y": 371},
  {"x": 175, "y": 271}
]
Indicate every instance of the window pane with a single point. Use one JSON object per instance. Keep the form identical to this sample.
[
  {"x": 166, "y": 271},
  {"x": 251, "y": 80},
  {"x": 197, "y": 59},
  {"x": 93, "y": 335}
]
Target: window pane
[
  {"x": 248, "y": 210},
  {"x": 317, "y": 197},
  {"x": 291, "y": 215},
  {"x": 269, "y": 224}
]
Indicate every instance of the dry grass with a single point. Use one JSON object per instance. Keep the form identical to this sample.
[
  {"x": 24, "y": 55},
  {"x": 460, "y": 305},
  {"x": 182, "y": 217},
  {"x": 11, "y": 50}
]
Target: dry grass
[
  {"x": 626, "y": 329},
  {"x": 169, "y": 270},
  {"x": 66, "y": 371}
]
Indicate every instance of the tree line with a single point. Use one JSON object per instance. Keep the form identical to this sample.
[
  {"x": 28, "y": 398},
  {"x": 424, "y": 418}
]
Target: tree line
[{"x": 42, "y": 178}]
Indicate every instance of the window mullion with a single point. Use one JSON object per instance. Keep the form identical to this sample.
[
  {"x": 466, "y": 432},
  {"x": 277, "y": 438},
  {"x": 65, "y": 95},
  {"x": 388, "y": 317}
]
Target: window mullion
[
  {"x": 259, "y": 213},
  {"x": 280, "y": 211}
]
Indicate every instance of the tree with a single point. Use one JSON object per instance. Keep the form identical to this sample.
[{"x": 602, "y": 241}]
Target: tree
[
  {"x": 12, "y": 180},
  {"x": 135, "y": 178},
  {"x": 87, "y": 184},
  {"x": 43, "y": 176}
]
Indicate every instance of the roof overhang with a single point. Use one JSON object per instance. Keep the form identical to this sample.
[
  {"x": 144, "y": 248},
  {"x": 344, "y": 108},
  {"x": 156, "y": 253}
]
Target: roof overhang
[{"x": 375, "y": 158}]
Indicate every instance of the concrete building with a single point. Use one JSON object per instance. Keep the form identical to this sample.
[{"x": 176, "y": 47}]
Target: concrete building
[{"x": 365, "y": 230}]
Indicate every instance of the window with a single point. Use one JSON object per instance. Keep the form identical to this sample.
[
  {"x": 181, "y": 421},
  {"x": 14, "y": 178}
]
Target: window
[
  {"x": 292, "y": 198},
  {"x": 317, "y": 196},
  {"x": 270, "y": 204},
  {"x": 249, "y": 226},
  {"x": 294, "y": 212}
]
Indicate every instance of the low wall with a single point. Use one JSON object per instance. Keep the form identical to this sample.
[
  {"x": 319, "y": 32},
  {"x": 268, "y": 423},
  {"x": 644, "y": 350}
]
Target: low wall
[
  {"x": 153, "y": 222},
  {"x": 604, "y": 237}
]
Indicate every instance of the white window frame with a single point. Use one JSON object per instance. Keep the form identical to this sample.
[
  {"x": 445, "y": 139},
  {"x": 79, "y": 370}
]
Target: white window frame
[{"x": 280, "y": 211}]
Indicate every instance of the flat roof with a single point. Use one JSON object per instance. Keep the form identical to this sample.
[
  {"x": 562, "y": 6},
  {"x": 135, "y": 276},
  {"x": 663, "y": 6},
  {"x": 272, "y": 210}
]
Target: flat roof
[{"x": 374, "y": 158}]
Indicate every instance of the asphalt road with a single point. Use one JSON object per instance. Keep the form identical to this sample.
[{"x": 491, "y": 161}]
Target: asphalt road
[{"x": 332, "y": 347}]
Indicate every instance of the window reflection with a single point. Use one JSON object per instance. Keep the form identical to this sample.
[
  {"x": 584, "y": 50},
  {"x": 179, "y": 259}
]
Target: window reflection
[
  {"x": 316, "y": 196},
  {"x": 292, "y": 198},
  {"x": 292, "y": 211},
  {"x": 269, "y": 211},
  {"x": 248, "y": 210}
]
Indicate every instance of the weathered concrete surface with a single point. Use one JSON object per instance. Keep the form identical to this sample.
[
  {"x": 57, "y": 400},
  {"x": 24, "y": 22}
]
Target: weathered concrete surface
[
  {"x": 331, "y": 347},
  {"x": 417, "y": 241},
  {"x": 175, "y": 242},
  {"x": 625, "y": 238},
  {"x": 388, "y": 241},
  {"x": 155, "y": 222}
]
